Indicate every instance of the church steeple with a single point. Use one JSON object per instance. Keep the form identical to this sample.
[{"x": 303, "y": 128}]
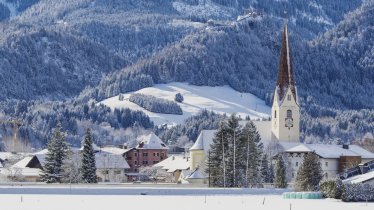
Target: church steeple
[
  {"x": 285, "y": 68},
  {"x": 285, "y": 109}
]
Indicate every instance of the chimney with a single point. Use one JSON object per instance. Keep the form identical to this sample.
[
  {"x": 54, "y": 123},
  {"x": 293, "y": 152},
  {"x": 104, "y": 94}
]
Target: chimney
[
  {"x": 125, "y": 145},
  {"x": 345, "y": 146}
]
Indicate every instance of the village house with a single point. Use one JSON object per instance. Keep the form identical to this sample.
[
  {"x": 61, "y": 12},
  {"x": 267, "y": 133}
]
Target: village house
[{"x": 150, "y": 150}]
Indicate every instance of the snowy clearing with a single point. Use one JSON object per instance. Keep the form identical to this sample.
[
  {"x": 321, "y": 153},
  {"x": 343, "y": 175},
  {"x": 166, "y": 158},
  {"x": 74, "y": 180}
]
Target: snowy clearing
[
  {"x": 99, "y": 202},
  {"x": 222, "y": 99}
]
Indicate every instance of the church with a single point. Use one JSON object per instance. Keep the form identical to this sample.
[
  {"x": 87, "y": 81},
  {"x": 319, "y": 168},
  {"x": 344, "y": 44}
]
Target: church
[{"x": 284, "y": 129}]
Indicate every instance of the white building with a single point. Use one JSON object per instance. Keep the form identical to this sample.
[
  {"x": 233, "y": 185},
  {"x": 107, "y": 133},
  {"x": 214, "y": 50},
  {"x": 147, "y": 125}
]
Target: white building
[{"x": 333, "y": 158}]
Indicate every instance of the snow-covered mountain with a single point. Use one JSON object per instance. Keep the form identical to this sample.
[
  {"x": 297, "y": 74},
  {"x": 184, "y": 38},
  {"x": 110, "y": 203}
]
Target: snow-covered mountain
[{"x": 221, "y": 99}]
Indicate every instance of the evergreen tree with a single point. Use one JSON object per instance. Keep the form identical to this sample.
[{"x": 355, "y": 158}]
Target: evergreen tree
[
  {"x": 178, "y": 98},
  {"x": 57, "y": 151},
  {"x": 88, "y": 169},
  {"x": 218, "y": 157},
  {"x": 280, "y": 174},
  {"x": 234, "y": 156},
  {"x": 235, "y": 153},
  {"x": 271, "y": 173},
  {"x": 265, "y": 170},
  {"x": 309, "y": 174},
  {"x": 250, "y": 140}
]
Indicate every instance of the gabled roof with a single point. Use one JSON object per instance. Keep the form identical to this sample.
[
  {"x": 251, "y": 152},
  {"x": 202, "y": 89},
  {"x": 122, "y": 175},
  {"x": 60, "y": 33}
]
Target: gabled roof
[
  {"x": 106, "y": 160},
  {"x": 197, "y": 174},
  {"x": 173, "y": 163},
  {"x": 115, "y": 150},
  {"x": 204, "y": 140},
  {"x": 23, "y": 163},
  {"x": 331, "y": 151},
  {"x": 150, "y": 141}
]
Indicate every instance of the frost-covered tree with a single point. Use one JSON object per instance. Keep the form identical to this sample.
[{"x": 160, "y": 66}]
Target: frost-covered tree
[
  {"x": 280, "y": 173},
  {"x": 250, "y": 140},
  {"x": 54, "y": 158},
  {"x": 309, "y": 174},
  {"x": 265, "y": 169},
  {"x": 88, "y": 170},
  {"x": 178, "y": 98},
  {"x": 235, "y": 155}
]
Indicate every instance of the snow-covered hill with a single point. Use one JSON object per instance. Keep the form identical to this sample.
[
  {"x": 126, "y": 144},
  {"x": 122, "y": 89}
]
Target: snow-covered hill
[{"x": 222, "y": 99}]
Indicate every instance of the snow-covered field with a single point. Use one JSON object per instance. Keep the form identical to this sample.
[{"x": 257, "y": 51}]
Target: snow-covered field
[
  {"x": 221, "y": 99},
  {"x": 162, "y": 196},
  {"x": 143, "y": 202}
]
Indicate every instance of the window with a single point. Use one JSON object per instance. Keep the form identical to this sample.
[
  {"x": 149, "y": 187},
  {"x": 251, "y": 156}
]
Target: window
[
  {"x": 117, "y": 172},
  {"x": 154, "y": 162},
  {"x": 293, "y": 175},
  {"x": 145, "y": 154},
  {"x": 275, "y": 113},
  {"x": 326, "y": 175},
  {"x": 289, "y": 97},
  {"x": 327, "y": 164},
  {"x": 145, "y": 162},
  {"x": 136, "y": 162},
  {"x": 297, "y": 164},
  {"x": 158, "y": 154},
  {"x": 129, "y": 158},
  {"x": 136, "y": 154},
  {"x": 289, "y": 113},
  {"x": 154, "y": 154}
]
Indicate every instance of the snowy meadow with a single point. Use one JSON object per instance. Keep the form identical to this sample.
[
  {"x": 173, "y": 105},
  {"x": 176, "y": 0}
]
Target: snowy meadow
[{"x": 165, "y": 197}]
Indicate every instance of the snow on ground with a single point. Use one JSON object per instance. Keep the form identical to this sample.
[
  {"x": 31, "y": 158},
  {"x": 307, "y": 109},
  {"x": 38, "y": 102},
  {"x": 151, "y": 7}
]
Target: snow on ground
[
  {"x": 222, "y": 99},
  {"x": 205, "y": 7},
  {"x": 100, "y": 202}
]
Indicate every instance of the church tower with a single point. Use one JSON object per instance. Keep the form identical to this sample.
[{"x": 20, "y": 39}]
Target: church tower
[{"x": 285, "y": 110}]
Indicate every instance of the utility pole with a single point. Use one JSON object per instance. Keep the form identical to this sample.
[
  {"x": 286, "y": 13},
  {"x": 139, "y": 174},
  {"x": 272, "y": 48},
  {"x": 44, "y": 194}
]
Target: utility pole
[
  {"x": 223, "y": 160},
  {"x": 246, "y": 170},
  {"x": 234, "y": 160},
  {"x": 209, "y": 168}
]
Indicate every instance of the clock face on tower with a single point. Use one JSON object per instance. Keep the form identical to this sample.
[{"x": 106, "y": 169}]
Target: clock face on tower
[{"x": 289, "y": 123}]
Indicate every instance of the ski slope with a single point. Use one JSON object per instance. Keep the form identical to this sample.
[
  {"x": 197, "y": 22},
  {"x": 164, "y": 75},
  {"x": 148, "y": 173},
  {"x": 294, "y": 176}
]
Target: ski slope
[{"x": 222, "y": 99}]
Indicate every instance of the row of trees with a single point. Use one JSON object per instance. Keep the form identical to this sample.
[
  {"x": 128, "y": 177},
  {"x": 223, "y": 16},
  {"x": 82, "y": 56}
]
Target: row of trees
[
  {"x": 154, "y": 104},
  {"x": 56, "y": 168},
  {"x": 235, "y": 156},
  {"x": 237, "y": 159}
]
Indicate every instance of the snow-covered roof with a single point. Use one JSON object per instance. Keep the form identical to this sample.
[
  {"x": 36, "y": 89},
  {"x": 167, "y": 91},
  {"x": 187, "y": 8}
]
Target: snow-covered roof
[
  {"x": 150, "y": 141},
  {"x": 23, "y": 163},
  {"x": 105, "y": 160},
  {"x": 197, "y": 174},
  {"x": 360, "y": 178},
  {"x": 204, "y": 140},
  {"x": 173, "y": 163},
  {"x": 332, "y": 151},
  {"x": 115, "y": 150},
  {"x": 95, "y": 147},
  {"x": 1, "y": 165}
]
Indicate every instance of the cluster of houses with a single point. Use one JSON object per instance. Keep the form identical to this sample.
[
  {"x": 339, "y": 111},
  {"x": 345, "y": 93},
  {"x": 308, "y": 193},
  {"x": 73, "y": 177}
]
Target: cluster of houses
[
  {"x": 113, "y": 164},
  {"x": 121, "y": 164}
]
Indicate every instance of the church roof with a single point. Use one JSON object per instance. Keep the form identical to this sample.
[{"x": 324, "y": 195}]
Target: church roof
[
  {"x": 285, "y": 68},
  {"x": 204, "y": 140}
]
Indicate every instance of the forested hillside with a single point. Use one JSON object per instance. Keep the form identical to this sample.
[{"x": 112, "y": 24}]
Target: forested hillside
[{"x": 58, "y": 58}]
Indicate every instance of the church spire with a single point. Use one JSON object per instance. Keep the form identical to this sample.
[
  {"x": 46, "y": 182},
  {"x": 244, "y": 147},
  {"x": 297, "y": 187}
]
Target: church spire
[{"x": 285, "y": 69}]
